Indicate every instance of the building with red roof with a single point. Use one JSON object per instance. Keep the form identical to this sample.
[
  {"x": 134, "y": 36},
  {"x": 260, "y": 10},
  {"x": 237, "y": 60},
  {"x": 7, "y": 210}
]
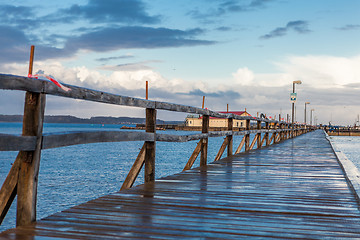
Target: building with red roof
[{"x": 196, "y": 120}]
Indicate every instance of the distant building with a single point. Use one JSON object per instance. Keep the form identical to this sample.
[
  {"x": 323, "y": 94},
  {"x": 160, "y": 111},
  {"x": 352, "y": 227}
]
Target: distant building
[{"x": 196, "y": 120}]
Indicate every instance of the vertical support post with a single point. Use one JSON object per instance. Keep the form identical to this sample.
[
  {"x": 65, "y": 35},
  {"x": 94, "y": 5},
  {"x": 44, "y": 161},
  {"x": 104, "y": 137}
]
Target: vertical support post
[
  {"x": 259, "y": 135},
  {"x": 147, "y": 90},
  {"x": 230, "y": 138},
  {"x": 150, "y": 127},
  {"x": 267, "y": 134},
  {"x": 30, "y": 160},
  {"x": 275, "y": 133},
  {"x": 204, "y": 145},
  {"x": 203, "y": 102},
  {"x": 247, "y": 136}
]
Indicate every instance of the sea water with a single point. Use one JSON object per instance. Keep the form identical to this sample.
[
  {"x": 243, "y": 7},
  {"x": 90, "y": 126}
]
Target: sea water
[
  {"x": 76, "y": 174},
  {"x": 350, "y": 146}
]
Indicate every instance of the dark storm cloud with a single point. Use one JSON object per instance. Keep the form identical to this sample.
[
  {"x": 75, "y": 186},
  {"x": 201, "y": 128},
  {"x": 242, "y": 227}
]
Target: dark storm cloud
[
  {"x": 108, "y": 39},
  {"x": 300, "y": 27}
]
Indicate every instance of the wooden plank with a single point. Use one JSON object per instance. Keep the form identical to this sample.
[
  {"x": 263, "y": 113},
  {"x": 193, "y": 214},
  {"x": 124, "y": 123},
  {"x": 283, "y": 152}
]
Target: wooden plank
[
  {"x": 56, "y": 140},
  {"x": 8, "y": 189},
  {"x": 193, "y": 156},
  {"x": 253, "y": 142},
  {"x": 150, "y": 127},
  {"x": 17, "y": 143},
  {"x": 222, "y": 149},
  {"x": 272, "y": 138},
  {"x": 204, "y": 145},
  {"x": 240, "y": 145},
  {"x": 135, "y": 170}
]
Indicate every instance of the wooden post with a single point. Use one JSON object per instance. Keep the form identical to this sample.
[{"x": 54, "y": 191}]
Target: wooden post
[
  {"x": 147, "y": 91},
  {"x": 135, "y": 170},
  {"x": 247, "y": 136},
  {"x": 203, "y": 102},
  {"x": 230, "y": 138},
  {"x": 204, "y": 145},
  {"x": 30, "y": 160},
  {"x": 259, "y": 135},
  {"x": 267, "y": 134},
  {"x": 150, "y": 127}
]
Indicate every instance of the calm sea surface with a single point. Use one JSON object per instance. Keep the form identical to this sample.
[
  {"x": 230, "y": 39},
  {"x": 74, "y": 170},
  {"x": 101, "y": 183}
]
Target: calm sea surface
[
  {"x": 76, "y": 174},
  {"x": 350, "y": 146}
]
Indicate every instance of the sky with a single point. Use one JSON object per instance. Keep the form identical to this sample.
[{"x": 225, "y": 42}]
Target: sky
[{"x": 245, "y": 53}]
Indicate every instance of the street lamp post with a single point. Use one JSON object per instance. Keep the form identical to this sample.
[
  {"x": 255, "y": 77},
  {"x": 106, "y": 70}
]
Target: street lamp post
[
  {"x": 293, "y": 106},
  {"x": 311, "y": 115},
  {"x": 305, "y": 112}
]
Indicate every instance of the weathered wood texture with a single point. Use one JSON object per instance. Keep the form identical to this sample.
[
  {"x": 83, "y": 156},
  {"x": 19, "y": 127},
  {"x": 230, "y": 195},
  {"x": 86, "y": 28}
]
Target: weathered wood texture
[
  {"x": 293, "y": 190},
  {"x": 204, "y": 145},
  {"x": 54, "y": 140},
  {"x": 135, "y": 170},
  {"x": 150, "y": 127},
  {"x": 247, "y": 136},
  {"x": 30, "y": 160},
  {"x": 222, "y": 149},
  {"x": 73, "y": 138},
  {"x": 9, "y": 188},
  {"x": 193, "y": 156},
  {"x": 230, "y": 137}
]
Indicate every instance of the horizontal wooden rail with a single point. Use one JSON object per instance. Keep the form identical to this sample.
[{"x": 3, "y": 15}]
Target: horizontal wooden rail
[
  {"x": 54, "y": 140},
  {"x": 75, "y": 138},
  {"x": 17, "y": 143},
  {"x": 12, "y": 82}
]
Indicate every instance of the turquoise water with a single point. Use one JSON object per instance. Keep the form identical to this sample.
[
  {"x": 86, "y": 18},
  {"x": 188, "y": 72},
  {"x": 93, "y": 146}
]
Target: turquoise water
[{"x": 76, "y": 174}]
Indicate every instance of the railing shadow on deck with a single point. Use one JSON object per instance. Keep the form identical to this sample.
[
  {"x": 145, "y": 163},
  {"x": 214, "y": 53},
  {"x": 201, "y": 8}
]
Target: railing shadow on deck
[{"x": 22, "y": 179}]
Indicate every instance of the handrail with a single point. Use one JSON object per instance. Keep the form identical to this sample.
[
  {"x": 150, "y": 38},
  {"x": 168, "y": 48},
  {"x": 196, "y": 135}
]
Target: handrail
[{"x": 13, "y": 82}]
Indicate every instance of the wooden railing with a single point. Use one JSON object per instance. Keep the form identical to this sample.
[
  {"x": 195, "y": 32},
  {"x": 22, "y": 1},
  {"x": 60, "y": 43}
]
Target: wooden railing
[{"x": 23, "y": 177}]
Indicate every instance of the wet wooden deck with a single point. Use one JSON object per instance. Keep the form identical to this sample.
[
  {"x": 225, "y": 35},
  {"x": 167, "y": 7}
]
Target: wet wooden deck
[{"x": 292, "y": 190}]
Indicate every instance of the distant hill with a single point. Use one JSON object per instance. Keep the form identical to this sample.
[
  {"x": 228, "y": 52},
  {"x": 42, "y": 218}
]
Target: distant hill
[{"x": 92, "y": 120}]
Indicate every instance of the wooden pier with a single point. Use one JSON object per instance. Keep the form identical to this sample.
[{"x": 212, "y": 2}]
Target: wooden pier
[
  {"x": 292, "y": 190},
  {"x": 291, "y": 186}
]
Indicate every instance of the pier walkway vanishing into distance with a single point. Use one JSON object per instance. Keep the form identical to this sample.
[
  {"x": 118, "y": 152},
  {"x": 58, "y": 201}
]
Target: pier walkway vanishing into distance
[
  {"x": 291, "y": 186},
  {"x": 295, "y": 189}
]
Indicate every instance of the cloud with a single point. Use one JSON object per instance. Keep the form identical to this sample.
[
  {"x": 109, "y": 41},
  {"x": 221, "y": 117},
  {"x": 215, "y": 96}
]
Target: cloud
[
  {"x": 127, "y": 56},
  {"x": 243, "y": 76},
  {"x": 349, "y": 27},
  {"x": 109, "y": 11},
  {"x": 331, "y": 84},
  {"x": 323, "y": 71},
  {"x": 299, "y": 26},
  {"x": 129, "y": 66},
  {"x": 113, "y": 38},
  {"x": 225, "y": 7}
]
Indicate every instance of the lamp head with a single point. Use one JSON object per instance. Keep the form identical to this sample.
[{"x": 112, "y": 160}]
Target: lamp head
[
  {"x": 297, "y": 82},
  {"x": 307, "y": 103}
]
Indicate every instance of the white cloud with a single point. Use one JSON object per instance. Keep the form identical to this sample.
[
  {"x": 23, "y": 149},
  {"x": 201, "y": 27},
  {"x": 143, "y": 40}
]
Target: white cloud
[
  {"x": 323, "y": 71},
  {"x": 258, "y": 92},
  {"x": 243, "y": 76}
]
